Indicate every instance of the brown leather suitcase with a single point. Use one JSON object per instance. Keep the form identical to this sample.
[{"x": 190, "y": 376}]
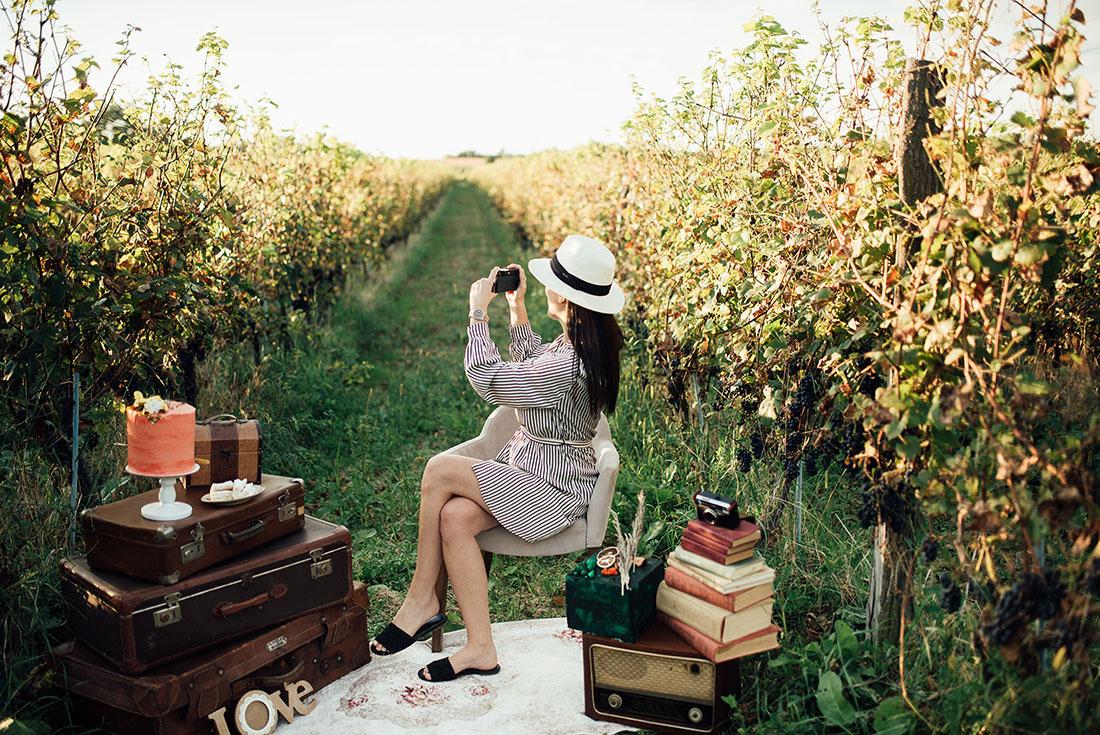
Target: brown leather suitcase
[
  {"x": 179, "y": 698},
  {"x": 226, "y": 448},
  {"x": 118, "y": 539},
  {"x": 137, "y": 625}
]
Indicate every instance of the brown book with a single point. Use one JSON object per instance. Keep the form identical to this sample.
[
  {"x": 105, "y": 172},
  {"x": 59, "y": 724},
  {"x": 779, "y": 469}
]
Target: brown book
[
  {"x": 758, "y": 641},
  {"x": 708, "y": 552},
  {"x": 714, "y": 622},
  {"x": 720, "y": 544},
  {"x": 729, "y": 536},
  {"x": 733, "y": 601}
]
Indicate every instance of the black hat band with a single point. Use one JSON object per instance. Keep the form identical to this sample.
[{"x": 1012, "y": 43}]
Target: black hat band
[{"x": 578, "y": 283}]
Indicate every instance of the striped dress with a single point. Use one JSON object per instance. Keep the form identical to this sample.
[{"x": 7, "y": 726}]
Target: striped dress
[{"x": 537, "y": 485}]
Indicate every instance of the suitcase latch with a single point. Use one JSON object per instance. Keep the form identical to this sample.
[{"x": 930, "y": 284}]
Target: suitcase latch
[
  {"x": 172, "y": 613},
  {"x": 191, "y": 551},
  {"x": 288, "y": 509},
  {"x": 320, "y": 567}
]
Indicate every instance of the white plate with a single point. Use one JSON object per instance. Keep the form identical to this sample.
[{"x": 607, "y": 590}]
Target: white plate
[{"x": 256, "y": 490}]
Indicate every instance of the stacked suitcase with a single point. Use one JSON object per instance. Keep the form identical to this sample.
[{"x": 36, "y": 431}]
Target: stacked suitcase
[{"x": 178, "y": 623}]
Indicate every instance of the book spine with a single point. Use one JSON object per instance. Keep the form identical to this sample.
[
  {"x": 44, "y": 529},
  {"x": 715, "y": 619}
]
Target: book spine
[
  {"x": 694, "y": 638},
  {"x": 704, "y": 551},
  {"x": 718, "y": 569},
  {"x": 678, "y": 580},
  {"x": 727, "y": 535},
  {"x": 710, "y": 543},
  {"x": 691, "y": 611},
  {"x": 717, "y": 583}
]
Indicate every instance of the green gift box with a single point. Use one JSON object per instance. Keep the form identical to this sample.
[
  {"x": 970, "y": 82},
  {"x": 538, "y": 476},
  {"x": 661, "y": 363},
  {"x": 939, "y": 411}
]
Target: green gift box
[{"x": 594, "y": 604}]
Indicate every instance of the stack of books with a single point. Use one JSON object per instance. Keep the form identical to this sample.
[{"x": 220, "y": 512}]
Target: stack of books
[{"x": 717, "y": 592}]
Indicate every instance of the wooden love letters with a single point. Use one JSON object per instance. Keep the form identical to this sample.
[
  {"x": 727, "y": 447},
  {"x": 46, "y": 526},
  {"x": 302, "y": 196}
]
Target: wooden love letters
[{"x": 258, "y": 712}]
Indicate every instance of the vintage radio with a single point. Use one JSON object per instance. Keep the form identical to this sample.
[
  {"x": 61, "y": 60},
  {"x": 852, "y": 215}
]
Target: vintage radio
[{"x": 658, "y": 682}]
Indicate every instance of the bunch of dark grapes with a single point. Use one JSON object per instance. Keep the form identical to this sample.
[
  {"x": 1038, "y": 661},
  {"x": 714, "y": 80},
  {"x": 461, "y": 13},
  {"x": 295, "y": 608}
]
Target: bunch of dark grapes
[
  {"x": 896, "y": 507},
  {"x": 1009, "y": 617},
  {"x": 868, "y": 507},
  {"x": 805, "y": 394},
  {"x": 1047, "y": 592},
  {"x": 744, "y": 459},
  {"x": 844, "y": 442},
  {"x": 756, "y": 443},
  {"x": 790, "y": 468},
  {"x": 889, "y": 504},
  {"x": 1032, "y": 596},
  {"x": 929, "y": 550},
  {"x": 950, "y": 594},
  {"x": 869, "y": 382},
  {"x": 792, "y": 441}
]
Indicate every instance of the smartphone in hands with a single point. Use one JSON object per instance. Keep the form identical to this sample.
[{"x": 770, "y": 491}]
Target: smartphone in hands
[{"x": 507, "y": 280}]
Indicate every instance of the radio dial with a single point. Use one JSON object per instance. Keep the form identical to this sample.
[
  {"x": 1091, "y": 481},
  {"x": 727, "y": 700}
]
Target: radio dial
[
  {"x": 614, "y": 701},
  {"x": 695, "y": 715}
]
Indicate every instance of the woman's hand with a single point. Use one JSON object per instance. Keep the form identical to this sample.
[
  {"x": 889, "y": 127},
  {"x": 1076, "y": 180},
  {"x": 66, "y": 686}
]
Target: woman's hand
[
  {"x": 481, "y": 291},
  {"x": 515, "y": 298}
]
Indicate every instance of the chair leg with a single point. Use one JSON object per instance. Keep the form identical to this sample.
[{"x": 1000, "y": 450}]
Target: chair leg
[{"x": 441, "y": 595}]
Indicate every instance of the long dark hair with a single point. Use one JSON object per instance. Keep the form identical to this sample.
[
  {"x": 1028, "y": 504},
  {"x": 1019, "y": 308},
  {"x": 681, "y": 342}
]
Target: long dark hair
[{"x": 597, "y": 339}]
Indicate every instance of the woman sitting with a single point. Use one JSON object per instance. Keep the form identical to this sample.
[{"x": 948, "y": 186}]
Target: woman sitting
[{"x": 542, "y": 479}]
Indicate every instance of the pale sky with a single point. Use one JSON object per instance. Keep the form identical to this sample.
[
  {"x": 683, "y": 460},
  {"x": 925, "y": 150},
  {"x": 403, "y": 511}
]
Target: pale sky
[{"x": 428, "y": 78}]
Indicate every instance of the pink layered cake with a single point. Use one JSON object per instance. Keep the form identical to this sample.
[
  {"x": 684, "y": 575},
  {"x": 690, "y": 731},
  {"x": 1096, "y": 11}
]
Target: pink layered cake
[{"x": 161, "y": 444}]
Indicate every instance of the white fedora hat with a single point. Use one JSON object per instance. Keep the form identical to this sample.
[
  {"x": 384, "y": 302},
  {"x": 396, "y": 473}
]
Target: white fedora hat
[{"x": 583, "y": 271}]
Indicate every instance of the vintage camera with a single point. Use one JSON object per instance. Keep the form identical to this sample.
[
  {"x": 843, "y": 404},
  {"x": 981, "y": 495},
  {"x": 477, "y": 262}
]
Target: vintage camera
[
  {"x": 507, "y": 280},
  {"x": 716, "y": 510}
]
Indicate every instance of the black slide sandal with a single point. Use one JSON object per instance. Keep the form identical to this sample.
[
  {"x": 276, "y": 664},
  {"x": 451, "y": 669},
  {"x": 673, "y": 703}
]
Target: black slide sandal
[
  {"x": 441, "y": 670},
  {"x": 395, "y": 639}
]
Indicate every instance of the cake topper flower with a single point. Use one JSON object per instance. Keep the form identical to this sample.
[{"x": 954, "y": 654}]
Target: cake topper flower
[{"x": 151, "y": 406}]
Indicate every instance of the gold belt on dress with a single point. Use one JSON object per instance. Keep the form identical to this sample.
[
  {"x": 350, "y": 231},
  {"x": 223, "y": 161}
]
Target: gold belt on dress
[{"x": 552, "y": 442}]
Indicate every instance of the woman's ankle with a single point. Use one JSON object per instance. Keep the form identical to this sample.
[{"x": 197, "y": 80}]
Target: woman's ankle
[{"x": 425, "y": 603}]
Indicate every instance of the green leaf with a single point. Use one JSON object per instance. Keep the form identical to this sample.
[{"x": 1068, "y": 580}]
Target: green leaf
[
  {"x": 846, "y": 640},
  {"x": 1002, "y": 251},
  {"x": 1030, "y": 254},
  {"x": 767, "y": 127},
  {"x": 892, "y": 717},
  {"x": 831, "y": 700}
]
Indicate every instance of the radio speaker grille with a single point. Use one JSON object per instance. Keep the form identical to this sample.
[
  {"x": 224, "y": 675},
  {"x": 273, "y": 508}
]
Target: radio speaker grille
[{"x": 653, "y": 673}]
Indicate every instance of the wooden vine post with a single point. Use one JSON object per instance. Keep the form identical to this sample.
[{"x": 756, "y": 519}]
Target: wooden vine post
[{"x": 918, "y": 179}]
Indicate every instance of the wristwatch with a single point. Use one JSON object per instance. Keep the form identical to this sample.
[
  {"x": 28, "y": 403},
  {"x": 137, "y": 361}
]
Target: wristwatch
[{"x": 479, "y": 315}]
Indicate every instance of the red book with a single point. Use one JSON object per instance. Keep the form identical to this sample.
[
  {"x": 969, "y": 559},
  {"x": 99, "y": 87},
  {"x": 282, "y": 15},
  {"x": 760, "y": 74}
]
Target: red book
[
  {"x": 729, "y": 536},
  {"x": 719, "y": 557},
  {"x": 720, "y": 545},
  {"x": 759, "y": 641},
  {"x": 733, "y": 601}
]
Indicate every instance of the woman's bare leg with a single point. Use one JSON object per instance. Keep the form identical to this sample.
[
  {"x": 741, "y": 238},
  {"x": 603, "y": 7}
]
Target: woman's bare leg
[
  {"x": 446, "y": 476},
  {"x": 461, "y": 520}
]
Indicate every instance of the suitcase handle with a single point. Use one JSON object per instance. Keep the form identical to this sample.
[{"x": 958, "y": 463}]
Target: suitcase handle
[
  {"x": 225, "y": 609},
  {"x": 273, "y": 681},
  {"x": 223, "y": 417},
  {"x": 236, "y": 537}
]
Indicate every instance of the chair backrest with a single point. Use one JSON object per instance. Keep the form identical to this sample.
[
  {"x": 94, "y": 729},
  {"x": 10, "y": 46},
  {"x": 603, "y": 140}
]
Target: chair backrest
[{"x": 599, "y": 505}]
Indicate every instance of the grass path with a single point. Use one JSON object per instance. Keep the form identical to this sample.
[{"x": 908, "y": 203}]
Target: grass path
[{"x": 360, "y": 407}]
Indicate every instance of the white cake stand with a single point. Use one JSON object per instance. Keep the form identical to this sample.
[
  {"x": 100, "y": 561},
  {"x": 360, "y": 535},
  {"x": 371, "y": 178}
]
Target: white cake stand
[{"x": 168, "y": 508}]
